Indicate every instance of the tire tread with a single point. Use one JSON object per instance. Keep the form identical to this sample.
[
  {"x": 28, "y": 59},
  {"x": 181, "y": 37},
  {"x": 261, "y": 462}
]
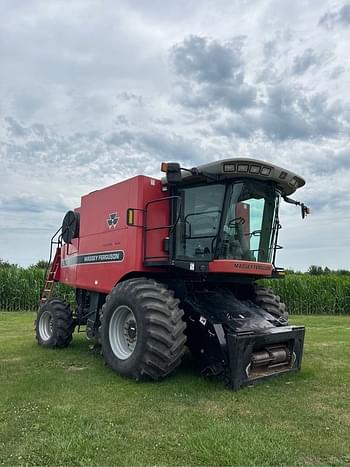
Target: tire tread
[
  {"x": 64, "y": 324},
  {"x": 267, "y": 299},
  {"x": 165, "y": 338}
]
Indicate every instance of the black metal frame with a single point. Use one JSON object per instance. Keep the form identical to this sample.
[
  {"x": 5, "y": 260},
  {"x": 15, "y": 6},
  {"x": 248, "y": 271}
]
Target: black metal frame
[
  {"x": 53, "y": 242},
  {"x": 57, "y": 242},
  {"x": 241, "y": 346},
  {"x": 228, "y": 333},
  {"x": 220, "y": 232}
]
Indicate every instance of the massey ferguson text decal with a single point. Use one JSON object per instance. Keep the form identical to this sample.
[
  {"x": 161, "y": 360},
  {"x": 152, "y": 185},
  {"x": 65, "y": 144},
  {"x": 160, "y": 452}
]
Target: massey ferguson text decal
[
  {"x": 93, "y": 258},
  {"x": 252, "y": 266},
  {"x": 229, "y": 266}
]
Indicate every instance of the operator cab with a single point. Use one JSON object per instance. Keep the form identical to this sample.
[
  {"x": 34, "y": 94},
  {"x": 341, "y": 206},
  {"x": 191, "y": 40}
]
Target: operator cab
[
  {"x": 227, "y": 210},
  {"x": 228, "y": 220}
]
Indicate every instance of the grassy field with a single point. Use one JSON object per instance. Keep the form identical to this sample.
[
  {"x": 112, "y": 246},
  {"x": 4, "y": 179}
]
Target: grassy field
[{"x": 64, "y": 407}]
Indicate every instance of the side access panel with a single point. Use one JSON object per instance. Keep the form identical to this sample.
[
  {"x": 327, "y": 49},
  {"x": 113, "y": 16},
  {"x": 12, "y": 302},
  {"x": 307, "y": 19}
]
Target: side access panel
[{"x": 108, "y": 247}]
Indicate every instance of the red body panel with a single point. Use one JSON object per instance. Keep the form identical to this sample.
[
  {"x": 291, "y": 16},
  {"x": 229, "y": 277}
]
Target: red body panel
[
  {"x": 108, "y": 248},
  {"x": 98, "y": 237}
]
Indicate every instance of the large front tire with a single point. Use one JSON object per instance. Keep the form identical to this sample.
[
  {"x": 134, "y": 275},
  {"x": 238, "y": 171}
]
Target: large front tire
[
  {"x": 142, "y": 332},
  {"x": 54, "y": 324},
  {"x": 267, "y": 299}
]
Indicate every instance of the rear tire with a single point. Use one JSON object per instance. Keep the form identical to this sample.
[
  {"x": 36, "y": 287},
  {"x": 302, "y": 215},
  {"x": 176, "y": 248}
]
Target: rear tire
[
  {"x": 269, "y": 301},
  {"x": 142, "y": 331},
  {"x": 54, "y": 325}
]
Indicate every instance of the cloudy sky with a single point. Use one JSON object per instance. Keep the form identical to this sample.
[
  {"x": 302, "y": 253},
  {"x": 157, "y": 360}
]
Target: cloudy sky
[{"x": 92, "y": 92}]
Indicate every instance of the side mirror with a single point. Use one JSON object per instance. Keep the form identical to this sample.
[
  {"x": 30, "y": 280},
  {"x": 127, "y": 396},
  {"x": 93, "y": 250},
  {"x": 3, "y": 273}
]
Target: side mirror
[
  {"x": 304, "y": 210},
  {"x": 173, "y": 171}
]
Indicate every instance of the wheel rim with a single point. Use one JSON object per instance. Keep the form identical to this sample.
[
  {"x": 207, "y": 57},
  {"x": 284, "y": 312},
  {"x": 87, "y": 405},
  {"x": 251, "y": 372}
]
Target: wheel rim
[
  {"x": 45, "y": 326},
  {"x": 123, "y": 332}
]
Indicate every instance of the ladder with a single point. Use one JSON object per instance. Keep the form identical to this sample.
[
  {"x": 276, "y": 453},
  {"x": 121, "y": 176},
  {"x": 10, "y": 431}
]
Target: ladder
[{"x": 53, "y": 270}]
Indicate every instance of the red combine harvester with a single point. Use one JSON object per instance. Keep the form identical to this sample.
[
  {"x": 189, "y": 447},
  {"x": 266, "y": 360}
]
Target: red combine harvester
[{"x": 158, "y": 265}]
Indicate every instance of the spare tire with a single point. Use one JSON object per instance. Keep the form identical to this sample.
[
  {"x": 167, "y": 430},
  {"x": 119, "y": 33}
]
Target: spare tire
[{"x": 70, "y": 226}]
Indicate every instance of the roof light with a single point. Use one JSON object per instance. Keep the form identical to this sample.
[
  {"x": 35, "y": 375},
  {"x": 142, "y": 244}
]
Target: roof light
[
  {"x": 229, "y": 167},
  {"x": 283, "y": 175},
  {"x": 242, "y": 168},
  {"x": 266, "y": 171},
  {"x": 255, "y": 169}
]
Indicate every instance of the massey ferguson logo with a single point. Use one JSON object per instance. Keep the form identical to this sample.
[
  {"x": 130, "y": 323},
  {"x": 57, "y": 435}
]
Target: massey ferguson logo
[
  {"x": 112, "y": 220},
  {"x": 254, "y": 266}
]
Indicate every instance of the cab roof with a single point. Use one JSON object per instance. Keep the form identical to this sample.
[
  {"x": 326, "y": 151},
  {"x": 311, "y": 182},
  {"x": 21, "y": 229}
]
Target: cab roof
[{"x": 287, "y": 181}]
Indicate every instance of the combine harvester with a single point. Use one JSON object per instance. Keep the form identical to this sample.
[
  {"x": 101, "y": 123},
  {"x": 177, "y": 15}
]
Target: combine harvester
[{"x": 158, "y": 265}]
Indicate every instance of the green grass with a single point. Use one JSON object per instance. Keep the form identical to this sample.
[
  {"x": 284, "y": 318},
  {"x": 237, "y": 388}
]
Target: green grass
[{"x": 64, "y": 407}]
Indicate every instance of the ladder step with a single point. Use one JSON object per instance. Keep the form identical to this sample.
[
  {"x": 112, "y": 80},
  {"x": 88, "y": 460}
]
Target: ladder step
[{"x": 51, "y": 275}]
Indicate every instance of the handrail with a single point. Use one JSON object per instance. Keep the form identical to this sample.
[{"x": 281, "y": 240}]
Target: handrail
[{"x": 53, "y": 242}]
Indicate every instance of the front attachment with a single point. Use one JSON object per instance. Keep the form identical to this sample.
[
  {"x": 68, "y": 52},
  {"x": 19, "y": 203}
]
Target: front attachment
[
  {"x": 255, "y": 356},
  {"x": 239, "y": 340}
]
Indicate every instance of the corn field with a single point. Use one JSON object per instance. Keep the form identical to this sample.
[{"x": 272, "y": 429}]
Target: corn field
[
  {"x": 20, "y": 288},
  {"x": 303, "y": 293},
  {"x": 308, "y": 294}
]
